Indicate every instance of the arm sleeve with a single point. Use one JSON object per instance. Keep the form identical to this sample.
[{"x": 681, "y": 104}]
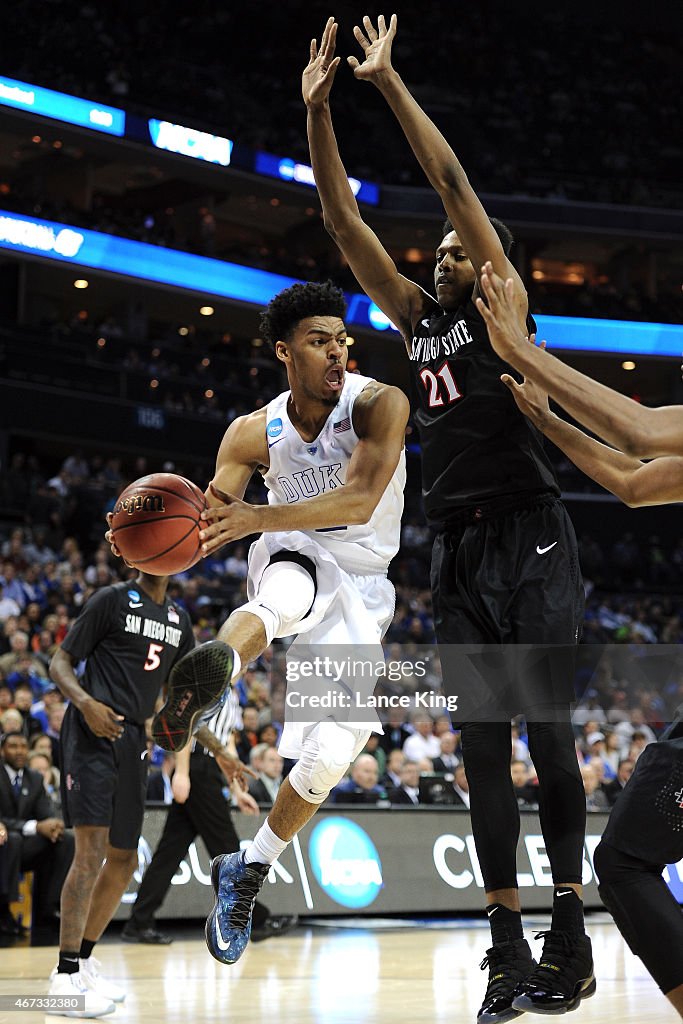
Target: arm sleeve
[{"x": 92, "y": 625}]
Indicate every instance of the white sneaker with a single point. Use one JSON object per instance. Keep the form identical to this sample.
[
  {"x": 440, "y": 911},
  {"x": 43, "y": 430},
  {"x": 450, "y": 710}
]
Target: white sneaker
[
  {"x": 67, "y": 986},
  {"x": 90, "y": 972}
]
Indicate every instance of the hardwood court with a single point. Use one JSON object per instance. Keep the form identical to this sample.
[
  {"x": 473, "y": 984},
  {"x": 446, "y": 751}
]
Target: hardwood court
[{"x": 331, "y": 976}]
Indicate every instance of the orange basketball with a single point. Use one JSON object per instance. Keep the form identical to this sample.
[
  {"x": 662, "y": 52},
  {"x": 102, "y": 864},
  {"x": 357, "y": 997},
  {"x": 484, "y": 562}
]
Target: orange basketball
[{"x": 156, "y": 523}]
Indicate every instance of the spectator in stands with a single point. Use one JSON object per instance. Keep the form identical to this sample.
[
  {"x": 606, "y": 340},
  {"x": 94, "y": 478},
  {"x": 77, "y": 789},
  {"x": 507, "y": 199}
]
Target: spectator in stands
[
  {"x": 256, "y": 756},
  {"x": 448, "y": 760},
  {"x": 624, "y": 772},
  {"x": 264, "y": 789},
  {"x": 55, "y": 717},
  {"x": 408, "y": 792},
  {"x": 247, "y": 737},
  {"x": 11, "y": 721},
  {"x": 40, "y": 762},
  {"x": 595, "y": 798},
  {"x": 391, "y": 778},
  {"x": 37, "y": 839},
  {"x": 525, "y": 791},
  {"x": 423, "y": 742},
  {"x": 461, "y": 785},
  {"x": 8, "y": 606},
  {"x": 6, "y": 697},
  {"x": 18, "y": 649},
  {"x": 396, "y": 732},
  {"x": 596, "y": 748},
  {"x": 362, "y": 787},
  {"x": 23, "y": 699}
]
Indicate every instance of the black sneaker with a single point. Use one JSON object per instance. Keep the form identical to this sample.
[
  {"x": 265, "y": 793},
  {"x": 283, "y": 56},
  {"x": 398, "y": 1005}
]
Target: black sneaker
[
  {"x": 509, "y": 963},
  {"x": 197, "y": 686},
  {"x": 274, "y": 926},
  {"x": 149, "y": 935},
  {"x": 563, "y": 978}
]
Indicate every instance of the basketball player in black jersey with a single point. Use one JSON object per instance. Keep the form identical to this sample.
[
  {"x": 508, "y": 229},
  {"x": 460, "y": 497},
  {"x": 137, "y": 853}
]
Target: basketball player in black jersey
[
  {"x": 130, "y": 636},
  {"x": 505, "y": 566},
  {"x": 645, "y": 830}
]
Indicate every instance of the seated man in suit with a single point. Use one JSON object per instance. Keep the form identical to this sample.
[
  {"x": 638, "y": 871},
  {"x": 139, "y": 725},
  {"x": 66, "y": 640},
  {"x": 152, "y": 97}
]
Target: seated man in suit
[
  {"x": 362, "y": 786},
  {"x": 461, "y": 786},
  {"x": 264, "y": 789},
  {"x": 36, "y": 838},
  {"x": 392, "y": 775},
  {"x": 448, "y": 760},
  {"x": 409, "y": 791}
]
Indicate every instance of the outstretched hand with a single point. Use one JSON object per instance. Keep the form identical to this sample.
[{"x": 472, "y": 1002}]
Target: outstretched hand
[
  {"x": 501, "y": 313},
  {"x": 319, "y": 75},
  {"x": 232, "y": 520},
  {"x": 530, "y": 397},
  {"x": 376, "y": 45}
]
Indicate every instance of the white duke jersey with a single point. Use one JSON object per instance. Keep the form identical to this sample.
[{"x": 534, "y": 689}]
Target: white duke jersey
[{"x": 304, "y": 469}]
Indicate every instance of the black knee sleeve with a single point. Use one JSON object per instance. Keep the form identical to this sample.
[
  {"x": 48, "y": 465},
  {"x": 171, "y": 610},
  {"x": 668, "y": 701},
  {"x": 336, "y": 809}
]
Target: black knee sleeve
[{"x": 644, "y": 911}]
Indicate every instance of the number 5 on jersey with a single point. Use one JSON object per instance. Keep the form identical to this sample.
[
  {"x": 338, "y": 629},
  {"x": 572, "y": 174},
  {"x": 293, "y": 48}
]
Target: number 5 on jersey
[
  {"x": 153, "y": 659},
  {"x": 435, "y": 384}
]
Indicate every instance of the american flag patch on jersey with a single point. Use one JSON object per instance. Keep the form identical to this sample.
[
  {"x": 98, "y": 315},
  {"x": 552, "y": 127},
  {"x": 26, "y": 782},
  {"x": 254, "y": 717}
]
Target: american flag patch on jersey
[{"x": 343, "y": 425}]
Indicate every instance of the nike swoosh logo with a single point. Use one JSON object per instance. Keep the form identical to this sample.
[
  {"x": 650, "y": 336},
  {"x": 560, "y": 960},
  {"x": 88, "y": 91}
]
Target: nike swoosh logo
[
  {"x": 271, "y": 444},
  {"x": 313, "y": 793},
  {"x": 567, "y": 893},
  {"x": 220, "y": 941},
  {"x": 542, "y": 551},
  {"x": 492, "y": 911},
  {"x": 132, "y": 604},
  {"x": 425, "y": 323}
]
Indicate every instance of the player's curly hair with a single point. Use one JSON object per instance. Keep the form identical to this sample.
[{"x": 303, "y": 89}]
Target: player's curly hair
[
  {"x": 294, "y": 304},
  {"x": 502, "y": 230}
]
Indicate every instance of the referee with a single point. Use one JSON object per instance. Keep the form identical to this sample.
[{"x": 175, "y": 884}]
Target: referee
[
  {"x": 130, "y": 635},
  {"x": 200, "y": 808},
  {"x": 645, "y": 830}
]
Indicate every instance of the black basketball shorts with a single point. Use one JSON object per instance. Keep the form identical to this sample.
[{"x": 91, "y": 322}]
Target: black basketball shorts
[
  {"x": 647, "y": 819},
  {"x": 508, "y": 604},
  {"x": 103, "y": 783}
]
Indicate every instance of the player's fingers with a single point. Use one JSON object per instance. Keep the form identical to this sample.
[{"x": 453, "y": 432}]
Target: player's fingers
[
  {"x": 369, "y": 28},
  {"x": 360, "y": 37},
  {"x": 509, "y": 289},
  {"x": 354, "y": 63},
  {"x": 109, "y": 516},
  {"x": 381, "y": 25},
  {"x": 326, "y": 33},
  {"x": 543, "y": 344},
  {"x": 332, "y": 70},
  {"x": 484, "y": 309},
  {"x": 510, "y": 382},
  {"x": 331, "y": 42},
  {"x": 393, "y": 25},
  {"x": 314, "y": 50}
]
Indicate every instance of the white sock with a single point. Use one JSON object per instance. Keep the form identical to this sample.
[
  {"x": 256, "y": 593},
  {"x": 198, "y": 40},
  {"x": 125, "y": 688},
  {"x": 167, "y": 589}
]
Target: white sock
[
  {"x": 266, "y": 846},
  {"x": 236, "y": 667}
]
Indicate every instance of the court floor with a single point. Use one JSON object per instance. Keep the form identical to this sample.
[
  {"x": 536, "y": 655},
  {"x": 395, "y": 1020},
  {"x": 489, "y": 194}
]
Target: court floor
[{"x": 331, "y": 975}]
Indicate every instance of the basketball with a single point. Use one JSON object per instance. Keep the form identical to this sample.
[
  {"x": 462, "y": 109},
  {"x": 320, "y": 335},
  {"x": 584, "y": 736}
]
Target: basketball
[{"x": 156, "y": 523}]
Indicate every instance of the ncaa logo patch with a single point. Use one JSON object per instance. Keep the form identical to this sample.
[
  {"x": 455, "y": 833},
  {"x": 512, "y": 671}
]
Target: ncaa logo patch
[
  {"x": 345, "y": 862},
  {"x": 274, "y": 428}
]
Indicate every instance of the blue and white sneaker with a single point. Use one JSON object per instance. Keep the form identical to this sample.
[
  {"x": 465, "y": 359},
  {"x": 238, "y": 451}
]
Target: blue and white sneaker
[
  {"x": 236, "y": 885},
  {"x": 197, "y": 685}
]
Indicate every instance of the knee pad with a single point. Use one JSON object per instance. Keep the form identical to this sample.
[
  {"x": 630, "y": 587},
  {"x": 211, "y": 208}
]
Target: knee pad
[
  {"x": 285, "y": 595},
  {"x": 327, "y": 752}
]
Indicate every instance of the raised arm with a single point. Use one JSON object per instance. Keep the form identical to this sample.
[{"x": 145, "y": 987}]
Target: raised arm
[
  {"x": 401, "y": 300},
  {"x": 631, "y": 427},
  {"x": 380, "y": 417},
  {"x": 635, "y": 483},
  {"x": 437, "y": 159}
]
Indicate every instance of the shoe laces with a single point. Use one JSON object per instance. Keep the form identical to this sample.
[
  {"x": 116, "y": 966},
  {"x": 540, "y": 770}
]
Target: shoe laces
[
  {"x": 246, "y": 890},
  {"x": 93, "y": 965},
  {"x": 555, "y": 963},
  {"x": 502, "y": 961}
]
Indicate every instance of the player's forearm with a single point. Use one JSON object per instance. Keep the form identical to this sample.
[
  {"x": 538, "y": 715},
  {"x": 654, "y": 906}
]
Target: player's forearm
[
  {"x": 434, "y": 154},
  {"x": 62, "y": 674},
  {"x": 344, "y": 506},
  {"x": 207, "y": 739},
  {"x": 614, "y": 417},
  {"x": 608, "y": 467},
  {"x": 336, "y": 197}
]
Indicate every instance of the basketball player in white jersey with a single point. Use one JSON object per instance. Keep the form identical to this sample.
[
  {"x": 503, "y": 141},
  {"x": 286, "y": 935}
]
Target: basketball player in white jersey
[{"x": 331, "y": 454}]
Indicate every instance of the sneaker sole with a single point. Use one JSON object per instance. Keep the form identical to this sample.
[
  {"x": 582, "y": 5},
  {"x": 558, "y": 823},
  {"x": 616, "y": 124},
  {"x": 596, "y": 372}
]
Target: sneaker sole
[
  {"x": 526, "y": 1004},
  {"x": 499, "y": 1018},
  {"x": 189, "y": 695}
]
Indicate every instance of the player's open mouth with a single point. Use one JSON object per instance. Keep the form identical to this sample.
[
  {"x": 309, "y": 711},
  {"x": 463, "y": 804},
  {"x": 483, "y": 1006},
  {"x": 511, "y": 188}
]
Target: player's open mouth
[{"x": 335, "y": 378}]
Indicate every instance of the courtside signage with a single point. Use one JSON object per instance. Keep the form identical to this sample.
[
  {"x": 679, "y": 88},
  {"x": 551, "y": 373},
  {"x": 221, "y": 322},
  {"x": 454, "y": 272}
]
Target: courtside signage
[
  {"x": 345, "y": 862},
  {"x": 175, "y": 138}
]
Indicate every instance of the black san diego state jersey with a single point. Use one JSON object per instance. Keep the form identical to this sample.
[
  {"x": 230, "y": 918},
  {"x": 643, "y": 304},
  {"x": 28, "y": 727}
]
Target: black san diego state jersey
[
  {"x": 131, "y": 644},
  {"x": 476, "y": 444}
]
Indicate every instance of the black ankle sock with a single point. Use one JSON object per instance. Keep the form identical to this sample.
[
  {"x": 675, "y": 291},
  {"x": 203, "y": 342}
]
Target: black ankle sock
[
  {"x": 506, "y": 925},
  {"x": 567, "y": 911},
  {"x": 86, "y": 948},
  {"x": 68, "y": 961}
]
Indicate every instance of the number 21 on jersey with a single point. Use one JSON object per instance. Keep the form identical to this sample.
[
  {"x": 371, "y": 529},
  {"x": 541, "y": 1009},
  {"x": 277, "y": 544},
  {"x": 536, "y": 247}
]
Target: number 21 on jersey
[{"x": 437, "y": 383}]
